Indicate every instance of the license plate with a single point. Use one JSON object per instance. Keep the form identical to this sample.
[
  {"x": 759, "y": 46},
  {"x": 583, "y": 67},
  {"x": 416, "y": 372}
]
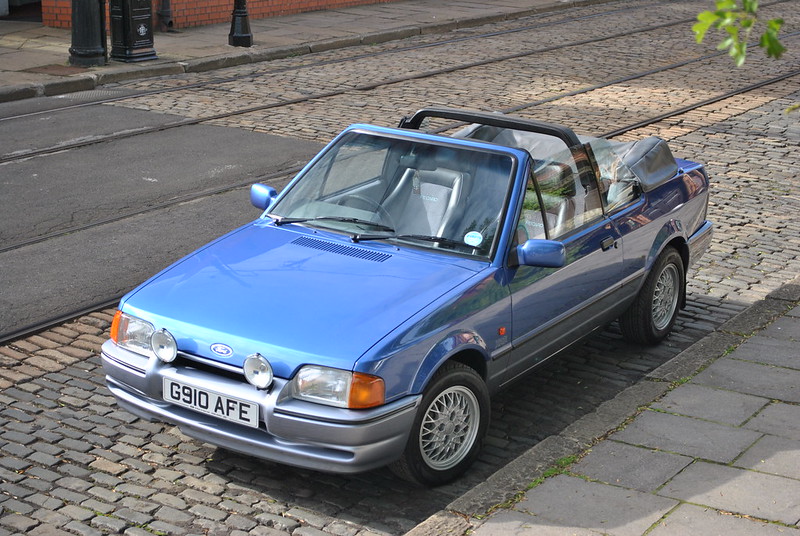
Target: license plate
[{"x": 216, "y": 404}]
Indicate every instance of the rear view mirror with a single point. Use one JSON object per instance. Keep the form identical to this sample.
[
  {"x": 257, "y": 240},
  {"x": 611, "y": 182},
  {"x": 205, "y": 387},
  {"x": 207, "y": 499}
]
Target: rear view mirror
[
  {"x": 262, "y": 196},
  {"x": 542, "y": 253}
]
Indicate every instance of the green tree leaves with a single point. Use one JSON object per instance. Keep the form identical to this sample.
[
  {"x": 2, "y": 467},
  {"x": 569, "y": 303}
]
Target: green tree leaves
[{"x": 737, "y": 21}]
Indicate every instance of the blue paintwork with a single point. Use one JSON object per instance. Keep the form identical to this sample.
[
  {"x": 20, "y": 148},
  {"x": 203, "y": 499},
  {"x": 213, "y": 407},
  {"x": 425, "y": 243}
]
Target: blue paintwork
[
  {"x": 304, "y": 294},
  {"x": 543, "y": 253},
  {"x": 259, "y": 281},
  {"x": 262, "y": 196}
]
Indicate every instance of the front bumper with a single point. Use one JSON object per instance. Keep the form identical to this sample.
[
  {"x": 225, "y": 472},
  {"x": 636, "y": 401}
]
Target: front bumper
[{"x": 290, "y": 431}]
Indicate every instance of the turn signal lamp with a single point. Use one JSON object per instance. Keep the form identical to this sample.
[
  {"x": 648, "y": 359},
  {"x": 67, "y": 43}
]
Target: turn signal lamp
[
  {"x": 366, "y": 391},
  {"x": 115, "y": 326}
]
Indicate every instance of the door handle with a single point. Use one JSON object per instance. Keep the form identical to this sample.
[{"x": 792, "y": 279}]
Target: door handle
[{"x": 608, "y": 243}]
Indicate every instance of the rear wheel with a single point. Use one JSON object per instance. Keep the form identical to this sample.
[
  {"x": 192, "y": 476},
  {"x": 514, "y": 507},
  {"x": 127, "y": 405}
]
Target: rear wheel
[
  {"x": 650, "y": 318},
  {"x": 449, "y": 427}
]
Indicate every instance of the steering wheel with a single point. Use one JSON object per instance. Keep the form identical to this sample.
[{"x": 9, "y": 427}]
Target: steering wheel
[{"x": 383, "y": 214}]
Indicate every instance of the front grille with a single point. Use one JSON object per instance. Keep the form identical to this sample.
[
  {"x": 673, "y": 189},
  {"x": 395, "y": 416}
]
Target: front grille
[{"x": 185, "y": 360}]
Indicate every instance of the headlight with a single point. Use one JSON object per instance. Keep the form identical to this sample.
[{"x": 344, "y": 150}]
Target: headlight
[
  {"x": 164, "y": 346},
  {"x": 258, "y": 371},
  {"x": 139, "y": 336},
  {"x": 132, "y": 333},
  {"x": 340, "y": 388}
]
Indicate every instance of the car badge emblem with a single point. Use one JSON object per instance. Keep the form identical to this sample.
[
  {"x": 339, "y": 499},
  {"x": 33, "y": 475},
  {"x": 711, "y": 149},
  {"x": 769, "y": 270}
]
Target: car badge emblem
[{"x": 222, "y": 350}]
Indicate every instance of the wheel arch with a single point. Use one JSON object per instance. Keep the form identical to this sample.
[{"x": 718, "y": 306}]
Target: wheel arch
[
  {"x": 682, "y": 247},
  {"x": 465, "y": 347}
]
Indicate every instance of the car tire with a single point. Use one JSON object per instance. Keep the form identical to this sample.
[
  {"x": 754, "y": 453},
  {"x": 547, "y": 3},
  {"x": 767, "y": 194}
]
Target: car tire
[
  {"x": 449, "y": 427},
  {"x": 651, "y": 316}
]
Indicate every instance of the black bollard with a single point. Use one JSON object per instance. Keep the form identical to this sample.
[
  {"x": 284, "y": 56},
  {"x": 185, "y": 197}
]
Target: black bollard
[
  {"x": 240, "y": 35},
  {"x": 132, "y": 30},
  {"x": 88, "y": 33}
]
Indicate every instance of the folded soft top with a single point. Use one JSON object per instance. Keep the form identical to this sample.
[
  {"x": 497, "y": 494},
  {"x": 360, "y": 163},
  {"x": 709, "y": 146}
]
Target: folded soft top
[{"x": 650, "y": 159}]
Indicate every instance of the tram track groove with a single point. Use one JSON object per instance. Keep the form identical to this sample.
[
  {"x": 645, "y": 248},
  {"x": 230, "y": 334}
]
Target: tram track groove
[
  {"x": 6, "y": 338},
  {"x": 287, "y": 172},
  {"x": 365, "y": 87},
  {"x": 21, "y": 155},
  {"x": 357, "y": 57},
  {"x": 293, "y": 170}
]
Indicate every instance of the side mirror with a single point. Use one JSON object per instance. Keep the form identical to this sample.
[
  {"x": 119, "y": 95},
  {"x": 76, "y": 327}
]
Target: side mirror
[
  {"x": 262, "y": 196},
  {"x": 542, "y": 253}
]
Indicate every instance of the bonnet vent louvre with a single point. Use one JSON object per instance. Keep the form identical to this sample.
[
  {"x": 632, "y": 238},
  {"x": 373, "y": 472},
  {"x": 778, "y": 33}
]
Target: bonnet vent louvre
[{"x": 339, "y": 249}]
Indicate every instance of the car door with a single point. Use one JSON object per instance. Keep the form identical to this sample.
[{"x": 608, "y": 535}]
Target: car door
[{"x": 553, "y": 307}]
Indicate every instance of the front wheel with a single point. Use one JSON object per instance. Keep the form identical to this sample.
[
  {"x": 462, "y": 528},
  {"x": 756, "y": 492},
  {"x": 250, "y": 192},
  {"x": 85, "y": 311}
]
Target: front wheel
[
  {"x": 651, "y": 316},
  {"x": 449, "y": 427}
]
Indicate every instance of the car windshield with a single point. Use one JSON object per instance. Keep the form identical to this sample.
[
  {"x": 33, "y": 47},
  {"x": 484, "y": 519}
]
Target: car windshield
[{"x": 382, "y": 188}]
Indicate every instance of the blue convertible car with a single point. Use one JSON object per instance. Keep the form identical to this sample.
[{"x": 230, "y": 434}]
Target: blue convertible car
[{"x": 402, "y": 277}]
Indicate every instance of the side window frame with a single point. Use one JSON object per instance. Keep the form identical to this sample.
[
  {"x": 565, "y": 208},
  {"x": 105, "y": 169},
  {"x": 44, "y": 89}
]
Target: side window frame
[
  {"x": 584, "y": 183},
  {"x": 531, "y": 181},
  {"x": 601, "y": 183}
]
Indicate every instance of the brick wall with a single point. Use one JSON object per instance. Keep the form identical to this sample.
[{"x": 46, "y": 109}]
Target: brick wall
[
  {"x": 57, "y": 13},
  {"x": 186, "y": 13}
]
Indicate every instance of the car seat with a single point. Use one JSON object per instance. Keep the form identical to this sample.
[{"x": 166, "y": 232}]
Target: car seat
[{"x": 425, "y": 201}]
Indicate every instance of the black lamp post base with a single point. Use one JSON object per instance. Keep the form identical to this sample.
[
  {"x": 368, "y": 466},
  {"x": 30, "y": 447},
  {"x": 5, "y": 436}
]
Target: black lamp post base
[
  {"x": 240, "y": 35},
  {"x": 88, "y": 33},
  {"x": 87, "y": 58}
]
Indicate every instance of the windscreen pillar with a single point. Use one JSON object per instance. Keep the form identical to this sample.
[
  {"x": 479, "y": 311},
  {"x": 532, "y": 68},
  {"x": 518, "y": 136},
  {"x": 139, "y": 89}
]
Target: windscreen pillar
[{"x": 132, "y": 30}]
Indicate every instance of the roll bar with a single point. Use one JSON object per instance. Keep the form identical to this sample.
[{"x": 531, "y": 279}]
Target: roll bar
[{"x": 492, "y": 119}]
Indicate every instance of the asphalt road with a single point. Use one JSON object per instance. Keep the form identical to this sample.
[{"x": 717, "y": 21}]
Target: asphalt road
[{"x": 54, "y": 205}]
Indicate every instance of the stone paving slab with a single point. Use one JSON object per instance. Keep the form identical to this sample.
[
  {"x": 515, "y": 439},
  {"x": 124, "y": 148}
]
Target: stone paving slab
[
  {"x": 605, "y": 509},
  {"x": 752, "y": 378},
  {"x": 711, "y": 404},
  {"x": 778, "y": 419},
  {"x": 631, "y": 467},
  {"x": 683, "y": 435},
  {"x": 770, "y": 351},
  {"x": 691, "y": 519},
  {"x": 774, "y": 455},
  {"x": 785, "y": 329},
  {"x": 511, "y": 523},
  {"x": 738, "y": 491}
]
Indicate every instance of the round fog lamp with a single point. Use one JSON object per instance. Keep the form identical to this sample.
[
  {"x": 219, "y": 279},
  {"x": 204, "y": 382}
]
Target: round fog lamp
[
  {"x": 258, "y": 371},
  {"x": 164, "y": 345}
]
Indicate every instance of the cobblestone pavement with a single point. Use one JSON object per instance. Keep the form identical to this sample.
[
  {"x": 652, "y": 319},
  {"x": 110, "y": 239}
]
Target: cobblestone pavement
[{"x": 73, "y": 463}]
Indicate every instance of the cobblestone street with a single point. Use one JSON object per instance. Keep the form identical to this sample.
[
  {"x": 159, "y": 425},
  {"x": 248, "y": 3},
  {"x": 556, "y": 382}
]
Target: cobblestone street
[{"x": 72, "y": 462}]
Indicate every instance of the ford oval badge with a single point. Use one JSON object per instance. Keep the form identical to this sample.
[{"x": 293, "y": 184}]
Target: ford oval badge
[{"x": 222, "y": 350}]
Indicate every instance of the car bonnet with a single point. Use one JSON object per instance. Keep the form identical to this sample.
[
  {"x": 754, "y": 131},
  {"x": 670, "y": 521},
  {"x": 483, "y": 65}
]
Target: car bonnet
[{"x": 293, "y": 295}]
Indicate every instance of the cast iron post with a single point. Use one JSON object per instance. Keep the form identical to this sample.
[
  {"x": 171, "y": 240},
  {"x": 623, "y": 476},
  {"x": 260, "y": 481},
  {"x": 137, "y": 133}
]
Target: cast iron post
[
  {"x": 88, "y": 33},
  {"x": 240, "y": 35},
  {"x": 131, "y": 30}
]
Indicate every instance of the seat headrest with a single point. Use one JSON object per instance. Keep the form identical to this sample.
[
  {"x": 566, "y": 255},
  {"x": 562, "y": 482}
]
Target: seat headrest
[{"x": 440, "y": 176}]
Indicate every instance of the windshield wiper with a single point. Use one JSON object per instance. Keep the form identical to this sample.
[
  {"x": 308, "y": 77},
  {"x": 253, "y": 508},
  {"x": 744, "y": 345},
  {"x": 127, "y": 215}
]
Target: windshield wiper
[
  {"x": 283, "y": 221},
  {"x": 426, "y": 238}
]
